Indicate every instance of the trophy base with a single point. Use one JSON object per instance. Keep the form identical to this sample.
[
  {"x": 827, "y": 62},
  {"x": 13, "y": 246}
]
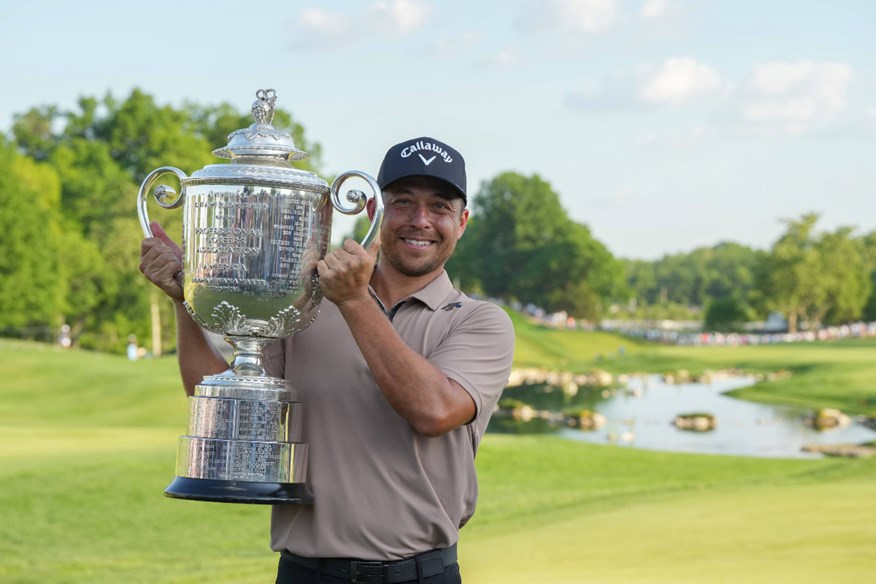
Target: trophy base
[{"x": 239, "y": 491}]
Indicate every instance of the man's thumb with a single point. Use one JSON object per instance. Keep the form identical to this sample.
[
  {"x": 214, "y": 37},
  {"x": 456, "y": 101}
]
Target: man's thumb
[
  {"x": 159, "y": 232},
  {"x": 374, "y": 248}
]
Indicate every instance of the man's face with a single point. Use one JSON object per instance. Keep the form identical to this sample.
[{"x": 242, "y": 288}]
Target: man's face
[{"x": 423, "y": 219}]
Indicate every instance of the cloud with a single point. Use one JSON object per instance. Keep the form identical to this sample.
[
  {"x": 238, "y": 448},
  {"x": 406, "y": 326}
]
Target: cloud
[
  {"x": 318, "y": 28},
  {"x": 401, "y": 15},
  {"x": 320, "y": 22},
  {"x": 569, "y": 16},
  {"x": 794, "y": 94},
  {"x": 677, "y": 81},
  {"x": 653, "y": 9}
]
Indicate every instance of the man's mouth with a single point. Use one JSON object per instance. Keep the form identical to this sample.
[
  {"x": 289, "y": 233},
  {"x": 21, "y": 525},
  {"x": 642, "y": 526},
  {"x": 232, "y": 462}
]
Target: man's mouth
[{"x": 418, "y": 242}]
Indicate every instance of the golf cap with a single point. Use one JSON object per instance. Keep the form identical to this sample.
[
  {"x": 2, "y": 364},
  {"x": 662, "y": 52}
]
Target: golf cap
[{"x": 423, "y": 157}]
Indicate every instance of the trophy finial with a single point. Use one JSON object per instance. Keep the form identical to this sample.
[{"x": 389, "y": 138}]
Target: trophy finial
[
  {"x": 263, "y": 108},
  {"x": 261, "y": 139}
]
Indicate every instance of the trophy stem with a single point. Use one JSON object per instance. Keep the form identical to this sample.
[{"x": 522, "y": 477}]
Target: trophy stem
[{"x": 248, "y": 355}]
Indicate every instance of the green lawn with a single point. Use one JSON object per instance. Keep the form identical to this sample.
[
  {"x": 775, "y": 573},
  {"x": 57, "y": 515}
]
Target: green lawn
[{"x": 87, "y": 443}]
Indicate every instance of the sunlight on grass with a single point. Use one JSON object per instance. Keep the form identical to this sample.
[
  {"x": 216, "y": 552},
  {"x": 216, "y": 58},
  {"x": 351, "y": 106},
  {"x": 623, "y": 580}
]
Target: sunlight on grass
[{"x": 87, "y": 445}]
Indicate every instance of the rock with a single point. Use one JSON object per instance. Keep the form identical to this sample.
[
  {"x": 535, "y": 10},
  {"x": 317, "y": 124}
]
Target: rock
[
  {"x": 699, "y": 422},
  {"x": 828, "y": 418},
  {"x": 585, "y": 419},
  {"x": 843, "y": 450}
]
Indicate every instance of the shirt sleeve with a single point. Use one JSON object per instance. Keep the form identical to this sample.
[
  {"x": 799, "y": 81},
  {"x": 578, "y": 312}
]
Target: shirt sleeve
[{"x": 478, "y": 353}]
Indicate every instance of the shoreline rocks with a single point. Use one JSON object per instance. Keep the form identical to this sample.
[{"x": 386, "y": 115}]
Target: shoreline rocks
[
  {"x": 842, "y": 450},
  {"x": 696, "y": 422}
]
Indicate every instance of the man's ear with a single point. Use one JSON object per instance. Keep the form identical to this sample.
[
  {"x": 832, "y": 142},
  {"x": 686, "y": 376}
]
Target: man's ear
[
  {"x": 371, "y": 207},
  {"x": 463, "y": 222}
]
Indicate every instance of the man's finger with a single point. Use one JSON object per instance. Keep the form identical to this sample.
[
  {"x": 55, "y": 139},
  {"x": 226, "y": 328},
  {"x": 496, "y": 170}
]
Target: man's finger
[{"x": 161, "y": 234}]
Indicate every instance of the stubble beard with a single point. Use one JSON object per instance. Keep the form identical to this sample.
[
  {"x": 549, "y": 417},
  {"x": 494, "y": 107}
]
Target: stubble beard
[
  {"x": 417, "y": 268},
  {"x": 413, "y": 269}
]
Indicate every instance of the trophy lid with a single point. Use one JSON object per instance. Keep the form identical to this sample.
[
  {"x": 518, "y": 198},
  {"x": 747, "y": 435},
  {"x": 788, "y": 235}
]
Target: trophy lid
[
  {"x": 261, "y": 138},
  {"x": 261, "y": 153}
]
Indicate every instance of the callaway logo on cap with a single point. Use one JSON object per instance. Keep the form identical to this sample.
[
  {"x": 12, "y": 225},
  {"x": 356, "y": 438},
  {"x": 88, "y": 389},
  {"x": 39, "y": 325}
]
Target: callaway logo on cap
[{"x": 423, "y": 157}]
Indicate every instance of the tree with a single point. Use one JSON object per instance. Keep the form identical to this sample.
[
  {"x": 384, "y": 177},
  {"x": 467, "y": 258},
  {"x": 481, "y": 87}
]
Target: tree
[
  {"x": 572, "y": 273},
  {"x": 31, "y": 291},
  {"x": 845, "y": 276},
  {"x": 725, "y": 314},
  {"x": 34, "y": 131},
  {"x": 98, "y": 153},
  {"x": 812, "y": 277},
  {"x": 695, "y": 278},
  {"x": 516, "y": 217},
  {"x": 868, "y": 244},
  {"x": 642, "y": 281},
  {"x": 789, "y": 275},
  {"x": 95, "y": 190},
  {"x": 520, "y": 244},
  {"x": 678, "y": 286}
]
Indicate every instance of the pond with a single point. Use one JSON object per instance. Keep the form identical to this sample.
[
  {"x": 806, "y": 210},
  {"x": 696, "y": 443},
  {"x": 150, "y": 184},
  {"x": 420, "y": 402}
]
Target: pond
[{"x": 640, "y": 414}]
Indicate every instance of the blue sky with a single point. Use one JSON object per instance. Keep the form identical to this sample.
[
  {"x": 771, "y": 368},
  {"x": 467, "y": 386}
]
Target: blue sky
[{"x": 664, "y": 125}]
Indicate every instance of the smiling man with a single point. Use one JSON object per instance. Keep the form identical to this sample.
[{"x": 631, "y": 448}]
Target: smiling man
[
  {"x": 398, "y": 376},
  {"x": 416, "y": 370}
]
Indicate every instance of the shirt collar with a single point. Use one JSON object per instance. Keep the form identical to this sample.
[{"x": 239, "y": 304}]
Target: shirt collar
[{"x": 432, "y": 294}]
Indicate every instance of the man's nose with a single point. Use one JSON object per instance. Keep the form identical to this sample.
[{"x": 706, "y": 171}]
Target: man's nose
[{"x": 420, "y": 216}]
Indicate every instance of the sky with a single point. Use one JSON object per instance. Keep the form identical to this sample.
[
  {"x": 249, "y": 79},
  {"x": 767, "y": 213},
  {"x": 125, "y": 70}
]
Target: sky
[{"x": 662, "y": 125}]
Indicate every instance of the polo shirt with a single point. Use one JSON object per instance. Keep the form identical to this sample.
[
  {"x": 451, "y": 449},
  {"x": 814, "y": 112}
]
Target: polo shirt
[{"x": 381, "y": 490}]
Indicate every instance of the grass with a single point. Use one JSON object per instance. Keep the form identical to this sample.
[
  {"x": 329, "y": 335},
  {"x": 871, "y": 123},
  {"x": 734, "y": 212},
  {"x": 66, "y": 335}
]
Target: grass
[{"x": 87, "y": 444}]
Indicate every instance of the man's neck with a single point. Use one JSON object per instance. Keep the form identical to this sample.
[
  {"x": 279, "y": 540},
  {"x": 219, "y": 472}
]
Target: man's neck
[{"x": 392, "y": 287}]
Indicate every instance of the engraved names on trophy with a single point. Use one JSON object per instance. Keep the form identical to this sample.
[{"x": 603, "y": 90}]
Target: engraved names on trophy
[
  {"x": 240, "y": 460},
  {"x": 225, "y": 247},
  {"x": 240, "y": 419},
  {"x": 260, "y": 420},
  {"x": 253, "y": 460},
  {"x": 251, "y": 243},
  {"x": 210, "y": 417}
]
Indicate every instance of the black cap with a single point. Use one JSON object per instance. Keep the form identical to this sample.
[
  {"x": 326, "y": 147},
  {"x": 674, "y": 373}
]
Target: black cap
[{"x": 423, "y": 157}]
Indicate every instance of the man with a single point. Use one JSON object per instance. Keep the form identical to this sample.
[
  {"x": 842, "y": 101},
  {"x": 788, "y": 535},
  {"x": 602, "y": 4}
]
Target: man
[{"x": 398, "y": 377}]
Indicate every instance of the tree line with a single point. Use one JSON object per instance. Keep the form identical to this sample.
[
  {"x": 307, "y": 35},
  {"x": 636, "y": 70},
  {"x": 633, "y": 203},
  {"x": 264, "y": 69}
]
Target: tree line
[
  {"x": 810, "y": 277},
  {"x": 70, "y": 235},
  {"x": 68, "y": 218}
]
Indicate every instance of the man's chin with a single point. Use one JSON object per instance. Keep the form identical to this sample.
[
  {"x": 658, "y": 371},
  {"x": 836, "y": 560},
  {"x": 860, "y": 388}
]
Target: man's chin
[
  {"x": 414, "y": 269},
  {"x": 417, "y": 271}
]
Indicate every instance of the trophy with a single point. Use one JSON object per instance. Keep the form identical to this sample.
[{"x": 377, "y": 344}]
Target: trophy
[{"x": 253, "y": 232}]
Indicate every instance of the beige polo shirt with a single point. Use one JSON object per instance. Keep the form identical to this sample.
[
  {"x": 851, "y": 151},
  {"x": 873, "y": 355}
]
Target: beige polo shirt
[{"x": 382, "y": 491}]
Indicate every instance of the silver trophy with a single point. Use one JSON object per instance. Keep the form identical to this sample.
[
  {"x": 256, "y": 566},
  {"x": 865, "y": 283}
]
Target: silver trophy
[{"x": 253, "y": 232}]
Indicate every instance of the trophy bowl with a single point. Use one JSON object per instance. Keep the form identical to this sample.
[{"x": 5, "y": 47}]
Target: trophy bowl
[{"x": 253, "y": 232}]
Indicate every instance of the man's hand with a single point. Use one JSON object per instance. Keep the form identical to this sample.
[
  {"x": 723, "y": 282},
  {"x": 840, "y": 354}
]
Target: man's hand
[
  {"x": 344, "y": 274},
  {"x": 161, "y": 260}
]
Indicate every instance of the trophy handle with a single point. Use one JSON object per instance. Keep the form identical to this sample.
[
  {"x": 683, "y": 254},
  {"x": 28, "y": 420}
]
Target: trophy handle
[
  {"x": 162, "y": 194},
  {"x": 357, "y": 200}
]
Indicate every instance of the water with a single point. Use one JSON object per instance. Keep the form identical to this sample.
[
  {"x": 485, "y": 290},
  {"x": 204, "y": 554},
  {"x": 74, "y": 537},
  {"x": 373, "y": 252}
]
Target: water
[{"x": 641, "y": 415}]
